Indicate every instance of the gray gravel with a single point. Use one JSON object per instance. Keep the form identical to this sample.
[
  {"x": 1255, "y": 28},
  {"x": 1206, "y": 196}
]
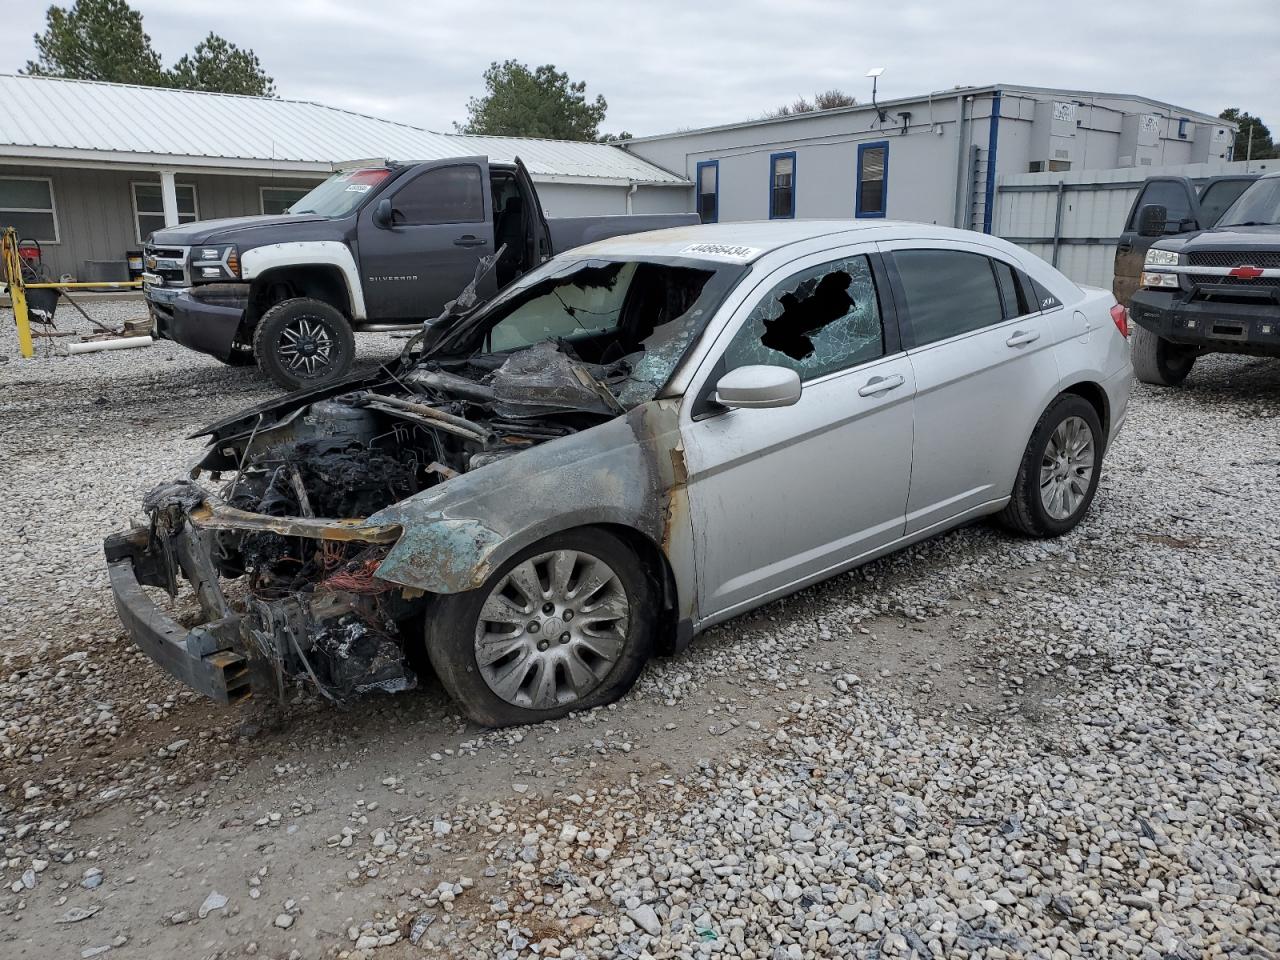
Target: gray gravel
[{"x": 981, "y": 747}]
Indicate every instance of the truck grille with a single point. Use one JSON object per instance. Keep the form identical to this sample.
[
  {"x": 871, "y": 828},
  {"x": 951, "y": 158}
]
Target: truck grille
[
  {"x": 1233, "y": 258},
  {"x": 167, "y": 262}
]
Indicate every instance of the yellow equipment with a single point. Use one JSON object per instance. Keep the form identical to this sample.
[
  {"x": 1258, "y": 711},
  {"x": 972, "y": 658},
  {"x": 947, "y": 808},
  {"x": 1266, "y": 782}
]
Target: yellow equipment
[{"x": 18, "y": 288}]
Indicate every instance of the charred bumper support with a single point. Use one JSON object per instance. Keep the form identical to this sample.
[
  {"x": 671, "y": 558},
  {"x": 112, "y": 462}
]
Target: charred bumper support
[
  {"x": 205, "y": 657},
  {"x": 327, "y": 636}
]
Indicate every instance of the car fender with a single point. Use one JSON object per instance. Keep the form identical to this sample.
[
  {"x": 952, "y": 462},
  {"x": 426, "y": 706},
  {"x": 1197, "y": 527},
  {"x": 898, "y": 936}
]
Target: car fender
[
  {"x": 308, "y": 253},
  {"x": 627, "y": 472}
]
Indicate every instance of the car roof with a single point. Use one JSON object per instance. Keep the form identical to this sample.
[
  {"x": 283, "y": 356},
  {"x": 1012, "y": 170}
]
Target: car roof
[{"x": 748, "y": 241}]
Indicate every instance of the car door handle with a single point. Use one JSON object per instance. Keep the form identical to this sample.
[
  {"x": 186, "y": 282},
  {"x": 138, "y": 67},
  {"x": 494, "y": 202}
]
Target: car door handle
[
  {"x": 878, "y": 385},
  {"x": 1021, "y": 338},
  {"x": 469, "y": 241}
]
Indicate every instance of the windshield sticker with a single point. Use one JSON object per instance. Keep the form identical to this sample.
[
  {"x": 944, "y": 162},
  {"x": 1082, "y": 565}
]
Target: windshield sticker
[
  {"x": 722, "y": 251},
  {"x": 359, "y": 188}
]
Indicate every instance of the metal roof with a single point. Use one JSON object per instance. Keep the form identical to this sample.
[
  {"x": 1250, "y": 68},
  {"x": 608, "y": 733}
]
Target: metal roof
[
  {"x": 940, "y": 96},
  {"x": 44, "y": 117}
]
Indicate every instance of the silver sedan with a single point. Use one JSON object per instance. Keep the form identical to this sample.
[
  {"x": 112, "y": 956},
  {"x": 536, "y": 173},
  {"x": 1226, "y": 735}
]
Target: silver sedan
[{"x": 641, "y": 438}]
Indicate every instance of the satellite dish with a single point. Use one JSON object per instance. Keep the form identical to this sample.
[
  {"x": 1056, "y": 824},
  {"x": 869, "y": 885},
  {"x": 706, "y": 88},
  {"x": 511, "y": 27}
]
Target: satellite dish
[{"x": 875, "y": 73}]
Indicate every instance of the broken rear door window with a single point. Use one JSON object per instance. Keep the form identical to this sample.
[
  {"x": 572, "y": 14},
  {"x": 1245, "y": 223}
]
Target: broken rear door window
[{"x": 820, "y": 320}]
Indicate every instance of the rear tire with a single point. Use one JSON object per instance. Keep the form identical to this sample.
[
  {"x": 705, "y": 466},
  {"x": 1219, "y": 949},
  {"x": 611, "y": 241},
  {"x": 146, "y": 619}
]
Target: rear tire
[
  {"x": 1067, "y": 441},
  {"x": 455, "y": 632},
  {"x": 303, "y": 342},
  {"x": 1157, "y": 361}
]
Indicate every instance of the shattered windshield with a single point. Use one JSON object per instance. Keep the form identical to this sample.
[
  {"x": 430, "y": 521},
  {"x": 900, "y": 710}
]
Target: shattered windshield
[
  {"x": 616, "y": 329},
  {"x": 341, "y": 193}
]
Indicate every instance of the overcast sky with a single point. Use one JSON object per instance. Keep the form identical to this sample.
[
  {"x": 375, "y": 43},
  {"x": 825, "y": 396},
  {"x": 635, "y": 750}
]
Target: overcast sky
[{"x": 668, "y": 64}]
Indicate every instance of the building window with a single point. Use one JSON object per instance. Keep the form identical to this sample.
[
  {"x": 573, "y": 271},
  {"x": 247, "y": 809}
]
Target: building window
[
  {"x": 148, "y": 207},
  {"x": 709, "y": 191},
  {"x": 278, "y": 200},
  {"x": 782, "y": 186},
  {"x": 26, "y": 204},
  {"x": 873, "y": 179}
]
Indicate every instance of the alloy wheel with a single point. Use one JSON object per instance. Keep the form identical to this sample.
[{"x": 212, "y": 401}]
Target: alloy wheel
[
  {"x": 306, "y": 346},
  {"x": 1066, "y": 469},
  {"x": 551, "y": 629}
]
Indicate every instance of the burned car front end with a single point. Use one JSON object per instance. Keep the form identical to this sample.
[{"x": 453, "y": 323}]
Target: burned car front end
[{"x": 317, "y": 529}]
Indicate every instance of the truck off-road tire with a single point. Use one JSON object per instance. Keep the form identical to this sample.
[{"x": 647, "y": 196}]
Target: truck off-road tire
[
  {"x": 1060, "y": 469},
  {"x": 1157, "y": 361},
  {"x": 566, "y": 624},
  {"x": 303, "y": 342}
]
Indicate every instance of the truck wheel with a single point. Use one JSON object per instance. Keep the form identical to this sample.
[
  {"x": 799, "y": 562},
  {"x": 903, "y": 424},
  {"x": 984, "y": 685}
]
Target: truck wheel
[
  {"x": 303, "y": 342},
  {"x": 1156, "y": 360},
  {"x": 1060, "y": 469},
  {"x": 566, "y": 624}
]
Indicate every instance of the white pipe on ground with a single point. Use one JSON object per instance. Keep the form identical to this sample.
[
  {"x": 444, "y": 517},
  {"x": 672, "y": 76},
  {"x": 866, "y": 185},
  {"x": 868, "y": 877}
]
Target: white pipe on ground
[{"x": 93, "y": 346}]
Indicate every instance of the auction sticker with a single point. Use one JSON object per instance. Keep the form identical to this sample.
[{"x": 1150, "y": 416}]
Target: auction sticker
[{"x": 722, "y": 251}]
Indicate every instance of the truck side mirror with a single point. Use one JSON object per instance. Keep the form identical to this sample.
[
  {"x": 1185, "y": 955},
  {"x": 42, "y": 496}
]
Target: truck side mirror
[
  {"x": 383, "y": 215},
  {"x": 1152, "y": 219}
]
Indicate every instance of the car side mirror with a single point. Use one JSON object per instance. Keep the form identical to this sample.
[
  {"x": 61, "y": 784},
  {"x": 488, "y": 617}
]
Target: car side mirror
[
  {"x": 383, "y": 214},
  {"x": 757, "y": 385},
  {"x": 1152, "y": 219}
]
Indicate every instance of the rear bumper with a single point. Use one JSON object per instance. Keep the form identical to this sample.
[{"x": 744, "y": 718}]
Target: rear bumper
[
  {"x": 1211, "y": 325},
  {"x": 1117, "y": 388},
  {"x": 196, "y": 320},
  {"x": 205, "y": 657}
]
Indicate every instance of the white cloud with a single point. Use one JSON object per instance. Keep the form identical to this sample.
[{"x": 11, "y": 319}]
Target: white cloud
[{"x": 668, "y": 64}]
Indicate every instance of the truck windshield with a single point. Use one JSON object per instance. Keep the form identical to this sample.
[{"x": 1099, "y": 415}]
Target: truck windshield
[
  {"x": 1257, "y": 206},
  {"x": 341, "y": 193}
]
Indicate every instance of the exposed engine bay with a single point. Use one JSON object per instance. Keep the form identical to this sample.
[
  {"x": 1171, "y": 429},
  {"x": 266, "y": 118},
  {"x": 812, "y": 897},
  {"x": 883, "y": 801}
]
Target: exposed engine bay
[{"x": 274, "y": 479}]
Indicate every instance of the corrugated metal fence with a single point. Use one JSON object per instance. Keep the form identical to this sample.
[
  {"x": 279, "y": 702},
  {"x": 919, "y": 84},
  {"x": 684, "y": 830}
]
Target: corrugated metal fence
[{"x": 1073, "y": 218}]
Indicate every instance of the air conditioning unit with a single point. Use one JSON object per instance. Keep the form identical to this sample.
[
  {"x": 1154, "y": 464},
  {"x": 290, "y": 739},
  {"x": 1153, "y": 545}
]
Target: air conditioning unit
[
  {"x": 1053, "y": 135},
  {"x": 1210, "y": 142},
  {"x": 1140, "y": 139}
]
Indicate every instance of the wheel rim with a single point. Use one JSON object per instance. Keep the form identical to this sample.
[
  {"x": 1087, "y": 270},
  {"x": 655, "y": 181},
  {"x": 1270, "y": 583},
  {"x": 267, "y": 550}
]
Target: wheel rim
[
  {"x": 551, "y": 629},
  {"x": 1066, "y": 469},
  {"x": 307, "y": 346}
]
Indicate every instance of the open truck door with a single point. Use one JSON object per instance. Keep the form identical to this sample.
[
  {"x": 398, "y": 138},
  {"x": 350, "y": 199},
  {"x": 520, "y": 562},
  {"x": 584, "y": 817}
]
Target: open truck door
[{"x": 537, "y": 228}]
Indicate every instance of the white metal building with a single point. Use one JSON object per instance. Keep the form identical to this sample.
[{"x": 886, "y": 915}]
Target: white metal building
[
  {"x": 932, "y": 158},
  {"x": 89, "y": 169}
]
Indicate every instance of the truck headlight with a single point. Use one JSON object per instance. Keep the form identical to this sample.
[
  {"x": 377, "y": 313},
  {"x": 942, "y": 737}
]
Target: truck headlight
[
  {"x": 1159, "y": 279},
  {"x": 1161, "y": 258},
  {"x": 215, "y": 261}
]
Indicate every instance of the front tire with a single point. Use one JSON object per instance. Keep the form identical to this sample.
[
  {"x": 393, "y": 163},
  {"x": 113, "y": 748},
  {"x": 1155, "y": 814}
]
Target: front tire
[
  {"x": 302, "y": 342},
  {"x": 566, "y": 624},
  {"x": 1157, "y": 361},
  {"x": 1059, "y": 472}
]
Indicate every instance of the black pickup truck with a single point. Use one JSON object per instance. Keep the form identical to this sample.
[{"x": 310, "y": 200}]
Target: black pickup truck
[
  {"x": 378, "y": 247},
  {"x": 1210, "y": 279}
]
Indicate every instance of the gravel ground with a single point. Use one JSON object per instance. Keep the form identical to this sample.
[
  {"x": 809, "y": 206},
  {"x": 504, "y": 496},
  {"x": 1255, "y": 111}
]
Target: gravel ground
[{"x": 981, "y": 747}]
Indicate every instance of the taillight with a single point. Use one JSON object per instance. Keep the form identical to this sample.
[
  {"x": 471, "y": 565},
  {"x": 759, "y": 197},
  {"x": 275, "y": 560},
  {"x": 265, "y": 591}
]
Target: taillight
[{"x": 1121, "y": 317}]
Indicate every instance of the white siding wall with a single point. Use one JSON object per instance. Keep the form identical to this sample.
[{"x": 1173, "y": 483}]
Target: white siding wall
[{"x": 95, "y": 208}]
